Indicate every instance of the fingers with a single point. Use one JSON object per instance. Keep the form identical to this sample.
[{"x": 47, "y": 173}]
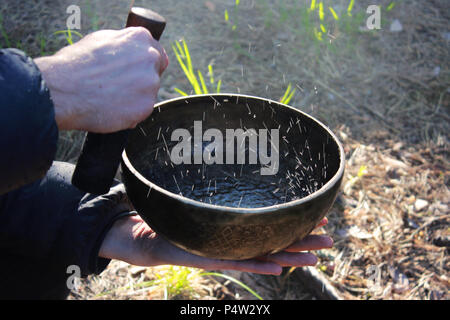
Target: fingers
[
  {"x": 157, "y": 53},
  {"x": 311, "y": 242},
  {"x": 158, "y": 57},
  {"x": 252, "y": 265},
  {"x": 322, "y": 223},
  {"x": 164, "y": 252},
  {"x": 292, "y": 259},
  {"x": 164, "y": 59}
]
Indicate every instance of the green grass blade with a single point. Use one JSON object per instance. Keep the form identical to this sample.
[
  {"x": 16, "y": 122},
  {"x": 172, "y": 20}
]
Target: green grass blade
[
  {"x": 180, "y": 50},
  {"x": 191, "y": 77},
  {"x": 69, "y": 37},
  {"x": 180, "y": 92},
  {"x": 321, "y": 12},
  {"x": 188, "y": 57},
  {"x": 194, "y": 81},
  {"x": 182, "y": 65},
  {"x": 4, "y": 34},
  {"x": 202, "y": 81},
  {"x": 68, "y": 34},
  {"x": 211, "y": 74},
  {"x": 233, "y": 280},
  {"x": 286, "y": 93},
  {"x": 335, "y": 15},
  {"x": 350, "y": 7},
  {"x": 318, "y": 34},
  {"x": 289, "y": 98},
  {"x": 42, "y": 44},
  {"x": 218, "y": 86},
  {"x": 390, "y": 6}
]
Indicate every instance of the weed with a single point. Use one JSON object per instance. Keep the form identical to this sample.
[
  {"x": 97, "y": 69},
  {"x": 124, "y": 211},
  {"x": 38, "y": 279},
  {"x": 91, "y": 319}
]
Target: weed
[
  {"x": 316, "y": 20},
  {"x": 198, "y": 84},
  {"x": 68, "y": 35},
  {"x": 235, "y": 18},
  {"x": 197, "y": 81},
  {"x": 288, "y": 94},
  {"x": 4, "y": 34},
  {"x": 175, "y": 282}
]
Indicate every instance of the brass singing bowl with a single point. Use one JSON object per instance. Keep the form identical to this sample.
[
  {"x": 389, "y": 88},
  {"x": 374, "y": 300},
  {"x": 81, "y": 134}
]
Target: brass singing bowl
[{"x": 248, "y": 214}]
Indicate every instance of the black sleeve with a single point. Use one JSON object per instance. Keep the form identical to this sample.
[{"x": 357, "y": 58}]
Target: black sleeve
[
  {"x": 28, "y": 130},
  {"x": 46, "y": 224}
]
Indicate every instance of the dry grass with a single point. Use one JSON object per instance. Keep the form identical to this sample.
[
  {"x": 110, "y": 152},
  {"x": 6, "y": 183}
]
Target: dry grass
[
  {"x": 386, "y": 94},
  {"x": 384, "y": 233}
]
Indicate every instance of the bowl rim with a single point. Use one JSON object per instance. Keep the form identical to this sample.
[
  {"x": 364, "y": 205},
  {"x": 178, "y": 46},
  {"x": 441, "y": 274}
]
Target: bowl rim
[{"x": 336, "y": 177}]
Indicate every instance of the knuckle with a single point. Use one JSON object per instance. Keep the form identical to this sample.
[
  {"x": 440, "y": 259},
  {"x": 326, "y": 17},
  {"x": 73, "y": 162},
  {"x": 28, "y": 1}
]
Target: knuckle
[
  {"x": 154, "y": 55},
  {"x": 154, "y": 82},
  {"x": 140, "y": 33},
  {"x": 144, "y": 115},
  {"x": 143, "y": 112},
  {"x": 150, "y": 83}
]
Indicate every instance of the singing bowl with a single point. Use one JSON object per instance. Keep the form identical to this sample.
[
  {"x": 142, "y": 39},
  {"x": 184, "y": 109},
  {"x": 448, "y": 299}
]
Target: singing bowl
[{"x": 230, "y": 210}]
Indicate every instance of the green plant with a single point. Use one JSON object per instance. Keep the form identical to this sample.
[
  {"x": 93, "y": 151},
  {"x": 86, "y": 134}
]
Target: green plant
[
  {"x": 288, "y": 94},
  {"x": 198, "y": 84},
  {"x": 177, "y": 281},
  {"x": 42, "y": 45},
  {"x": 316, "y": 20},
  {"x": 197, "y": 80},
  {"x": 68, "y": 34},
  {"x": 4, "y": 34},
  {"x": 235, "y": 17}
]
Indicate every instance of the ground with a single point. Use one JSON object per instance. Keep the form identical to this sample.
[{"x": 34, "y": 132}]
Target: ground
[{"x": 385, "y": 93}]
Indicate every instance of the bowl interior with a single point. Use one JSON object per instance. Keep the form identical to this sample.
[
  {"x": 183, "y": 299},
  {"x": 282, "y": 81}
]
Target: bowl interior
[{"x": 234, "y": 151}]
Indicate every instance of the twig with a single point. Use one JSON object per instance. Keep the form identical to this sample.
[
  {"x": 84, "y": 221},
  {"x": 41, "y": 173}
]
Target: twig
[{"x": 427, "y": 224}]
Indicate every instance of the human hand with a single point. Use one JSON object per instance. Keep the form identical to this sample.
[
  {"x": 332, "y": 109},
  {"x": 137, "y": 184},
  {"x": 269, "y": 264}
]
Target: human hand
[
  {"x": 106, "y": 82},
  {"x": 133, "y": 241}
]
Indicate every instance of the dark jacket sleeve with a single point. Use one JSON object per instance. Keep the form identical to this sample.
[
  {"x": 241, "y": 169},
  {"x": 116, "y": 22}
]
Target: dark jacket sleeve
[
  {"x": 28, "y": 130},
  {"x": 46, "y": 224}
]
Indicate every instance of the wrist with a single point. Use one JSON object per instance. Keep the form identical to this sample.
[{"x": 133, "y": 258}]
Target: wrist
[
  {"x": 60, "y": 92},
  {"x": 117, "y": 242}
]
